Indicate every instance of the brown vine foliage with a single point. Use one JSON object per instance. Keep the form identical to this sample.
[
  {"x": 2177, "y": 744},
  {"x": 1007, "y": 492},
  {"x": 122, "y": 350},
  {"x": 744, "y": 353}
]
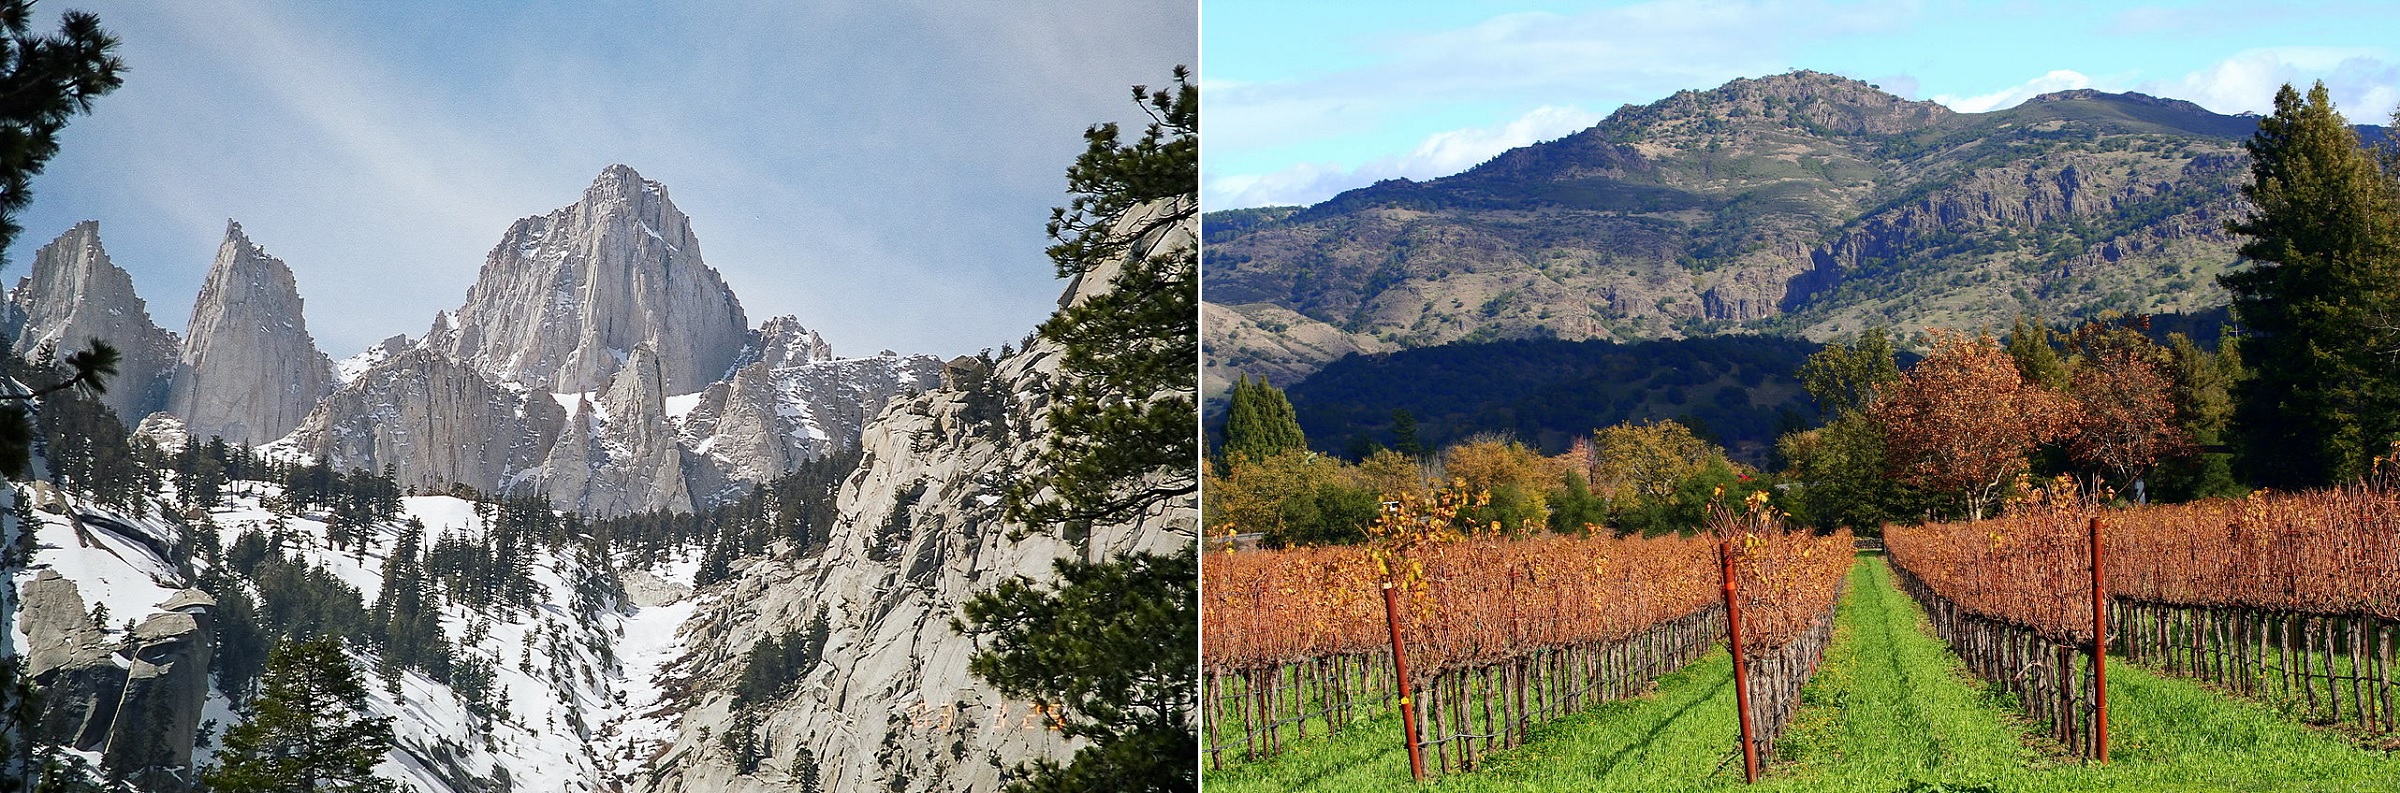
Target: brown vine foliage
[
  {"x": 1466, "y": 598},
  {"x": 1786, "y": 578},
  {"x": 2030, "y": 567},
  {"x": 2331, "y": 551},
  {"x": 2334, "y": 551}
]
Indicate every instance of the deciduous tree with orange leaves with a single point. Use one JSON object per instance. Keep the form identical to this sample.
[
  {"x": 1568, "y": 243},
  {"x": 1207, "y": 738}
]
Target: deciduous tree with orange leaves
[
  {"x": 1962, "y": 421},
  {"x": 2124, "y": 420}
]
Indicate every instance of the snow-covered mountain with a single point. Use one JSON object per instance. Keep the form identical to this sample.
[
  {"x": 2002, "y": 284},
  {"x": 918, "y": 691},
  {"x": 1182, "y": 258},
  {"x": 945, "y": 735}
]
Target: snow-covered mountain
[
  {"x": 597, "y": 360},
  {"x": 568, "y": 675},
  {"x": 518, "y": 647}
]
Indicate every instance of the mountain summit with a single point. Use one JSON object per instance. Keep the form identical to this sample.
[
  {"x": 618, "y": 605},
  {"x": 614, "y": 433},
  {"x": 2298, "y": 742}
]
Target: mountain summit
[
  {"x": 249, "y": 370},
  {"x": 76, "y": 294},
  {"x": 598, "y": 362},
  {"x": 565, "y": 298}
]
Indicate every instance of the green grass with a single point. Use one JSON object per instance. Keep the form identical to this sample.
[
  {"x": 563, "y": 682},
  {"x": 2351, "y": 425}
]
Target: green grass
[{"x": 1890, "y": 710}]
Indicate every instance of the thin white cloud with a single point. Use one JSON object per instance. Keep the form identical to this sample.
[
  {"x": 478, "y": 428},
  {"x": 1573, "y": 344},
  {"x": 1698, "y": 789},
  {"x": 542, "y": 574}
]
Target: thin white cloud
[
  {"x": 1595, "y": 58},
  {"x": 1440, "y": 154},
  {"x": 2362, "y": 80},
  {"x": 834, "y": 161},
  {"x": 2057, "y": 80}
]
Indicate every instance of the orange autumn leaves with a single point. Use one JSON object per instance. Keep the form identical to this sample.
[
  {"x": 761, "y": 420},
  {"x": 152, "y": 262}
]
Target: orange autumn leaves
[
  {"x": 1466, "y": 599},
  {"x": 1964, "y": 419},
  {"x": 1786, "y": 579},
  {"x": 1475, "y": 598}
]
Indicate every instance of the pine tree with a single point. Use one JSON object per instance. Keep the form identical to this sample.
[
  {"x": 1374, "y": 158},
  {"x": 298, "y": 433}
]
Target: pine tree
[
  {"x": 2030, "y": 344},
  {"x": 1125, "y": 423},
  {"x": 1112, "y": 646},
  {"x": 1259, "y": 422},
  {"x": 1404, "y": 434},
  {"x": 308, "y": 731},
  {"x": 2320, "y": 305},
  {"x": 1110, "y": 649},
  {"x": 804, "y": 772}
]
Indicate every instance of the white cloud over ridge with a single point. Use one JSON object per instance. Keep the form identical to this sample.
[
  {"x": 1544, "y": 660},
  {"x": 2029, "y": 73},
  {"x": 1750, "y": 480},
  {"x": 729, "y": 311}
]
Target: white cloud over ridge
[
  {"x": 1595, "y": 58},
  {"x": 2364, "y": 82},
  {"x": 2057, "y": 80},
  {"x": 1440, "y": 154},
  {"x": 381, "y": 152}
]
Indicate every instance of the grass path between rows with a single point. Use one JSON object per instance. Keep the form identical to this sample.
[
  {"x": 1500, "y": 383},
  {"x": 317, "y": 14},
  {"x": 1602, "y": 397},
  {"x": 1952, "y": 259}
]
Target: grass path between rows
[{"x": 1890, "y": 710}]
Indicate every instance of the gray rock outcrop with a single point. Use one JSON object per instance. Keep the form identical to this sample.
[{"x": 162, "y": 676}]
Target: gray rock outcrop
[
  {"x": 138, "y": 701},
  {"x": 70, "y": 659},
  {"x": 75, "y": 294},
  {"x": 249, "y": 370},
  {"x": 158, "y": 719},
  {"x": 564, "y": 298},
  {"x": 435, "y": 420},
  {"x": 920, "y": 530}
]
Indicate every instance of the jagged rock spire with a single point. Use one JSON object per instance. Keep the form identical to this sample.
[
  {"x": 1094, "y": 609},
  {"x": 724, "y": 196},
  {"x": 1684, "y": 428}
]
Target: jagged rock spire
[
  {"x": 75, "y": 294},
  {"x": 565, "y": 297},
  {"x": 249, "y": 371}
]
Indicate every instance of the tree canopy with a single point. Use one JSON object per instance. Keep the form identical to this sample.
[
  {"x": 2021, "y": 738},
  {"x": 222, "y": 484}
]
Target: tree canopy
[
  {"x": 2320, "y": 303},
  {"x": 308, "y": 732},
  {"x": 1110, "y": 647}
]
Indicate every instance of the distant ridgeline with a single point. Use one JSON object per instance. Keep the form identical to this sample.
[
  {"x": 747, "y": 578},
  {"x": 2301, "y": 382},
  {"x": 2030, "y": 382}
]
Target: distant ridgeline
[
  {"x": 1801, "y": 204},
  {"x": 1741, "y": 391}
]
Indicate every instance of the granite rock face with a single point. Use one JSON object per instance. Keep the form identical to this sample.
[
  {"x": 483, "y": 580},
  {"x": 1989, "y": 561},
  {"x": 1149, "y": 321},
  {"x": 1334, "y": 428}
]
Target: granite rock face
[
  {"x": 599, "y": 362},
  {"x": 249, "y": 370},
  {"x": 137, "y": 700},
  {"x": 920, "y": 530},
  {"x": 564, "y": 298},
  {"x": 435, "y": 420},
  {"x": 76, "y": 294},
  {"x": 158, "y": 718}
]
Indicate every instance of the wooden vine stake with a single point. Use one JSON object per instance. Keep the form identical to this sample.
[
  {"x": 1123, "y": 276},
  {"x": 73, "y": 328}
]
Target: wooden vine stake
[
  {"x": 2099, "y": 651},
  {"x": 1741, "y": 670},
  {"x": 1408, "y": 702}
]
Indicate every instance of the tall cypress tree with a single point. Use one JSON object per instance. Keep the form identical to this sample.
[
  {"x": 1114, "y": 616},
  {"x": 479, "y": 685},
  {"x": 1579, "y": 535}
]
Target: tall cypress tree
[
  {"x": 1259, "y": 421},
  {"x": 2320, "y": 305}
]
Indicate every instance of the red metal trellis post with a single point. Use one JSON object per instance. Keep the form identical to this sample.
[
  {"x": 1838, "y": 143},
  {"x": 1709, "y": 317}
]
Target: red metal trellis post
[
  {"x": 1408, "y": 705},
  {"x": 2099, "y": 651},
  {"x": 1741, "y": 670}
]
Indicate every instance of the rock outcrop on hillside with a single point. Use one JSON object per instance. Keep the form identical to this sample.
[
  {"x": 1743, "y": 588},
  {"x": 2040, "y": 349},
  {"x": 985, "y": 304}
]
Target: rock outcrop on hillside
[
  {"x": 1802, "y": 204},
  {"x": 249, "y": 372},
  {"x": 920, "y": 531},
  {"x": 435, "y": 421},
  {"x": 136, "y": 701},
  {"x": 75, "y": 294},
  {"x": 566, "y": 297}
]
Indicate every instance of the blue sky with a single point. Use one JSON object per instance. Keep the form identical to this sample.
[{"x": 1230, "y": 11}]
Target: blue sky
[
  {"x": 880, "y": 169},
  {"x": 1302, "y": 101}
]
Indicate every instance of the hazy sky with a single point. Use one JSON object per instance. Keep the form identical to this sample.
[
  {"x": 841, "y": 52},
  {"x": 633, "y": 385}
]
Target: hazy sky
[
  {"x": 1307, "y": 100},
  {"x": 880, "y": 169}
]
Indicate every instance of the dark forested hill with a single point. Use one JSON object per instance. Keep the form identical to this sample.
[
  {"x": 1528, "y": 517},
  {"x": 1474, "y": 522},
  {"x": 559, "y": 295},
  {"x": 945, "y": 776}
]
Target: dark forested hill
[{"x": 1740, "y": 389}]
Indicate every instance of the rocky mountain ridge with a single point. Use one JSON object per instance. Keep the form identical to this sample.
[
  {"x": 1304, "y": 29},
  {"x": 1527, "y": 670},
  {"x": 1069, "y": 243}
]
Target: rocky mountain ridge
[
  {"x": 249, "y": 370},
  {"x": 920, "y": 530},
  {"x": 1802, "y": 203},
  {"x": 597, "y": 360},
  {"x": 75, "y": 294}
]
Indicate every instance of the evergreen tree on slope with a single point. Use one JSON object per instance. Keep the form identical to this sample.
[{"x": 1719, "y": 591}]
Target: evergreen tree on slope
[
  {"x": 308, "y": 732},
  {"x": 1110, "y": 648},
  {"x": 1259, "y": 422}
]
